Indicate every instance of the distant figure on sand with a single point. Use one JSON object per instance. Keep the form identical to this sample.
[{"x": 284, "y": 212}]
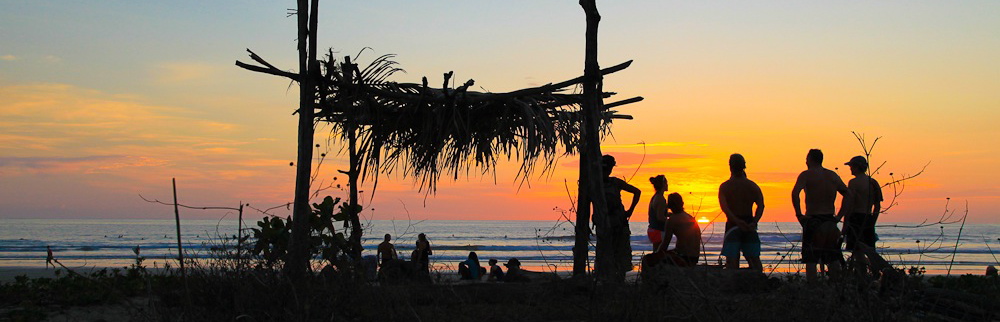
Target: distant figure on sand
[
  {"x": 820, "y": 236},
  {"x": 386, "y": 251},
  {"x": 421, "y": 254},
  {"x": 657, "y": 211},
  {"x": 685, "y": 227},
  {"x": 470, "y": 268},
  {"x": 737, "y": 197},
  {"x": 859, "y": 226},
  {"x": 49, "y": 258},
  {"x": 496, "y": 273},
  {"x": 612, "y": 232}
]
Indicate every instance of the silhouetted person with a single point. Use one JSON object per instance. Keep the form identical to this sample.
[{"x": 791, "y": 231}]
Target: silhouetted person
[
  {"x": 421, "y": 254},
  {"x": 613, "y": 232},
  {"x": 820, "y": 236},
  {"x": 657, "y": 212},
  {"x": 386, "y": 251},
  {"x": 686, "y": 228},
  {"x": 49, "y": 258},
  {"x": 514, "y": 272},
  {"x": 737, "y": 197},
  {"x": 470, "y": 268},
  {"x": 859, "y": 225},
  {"x": 496, "y": 273}
]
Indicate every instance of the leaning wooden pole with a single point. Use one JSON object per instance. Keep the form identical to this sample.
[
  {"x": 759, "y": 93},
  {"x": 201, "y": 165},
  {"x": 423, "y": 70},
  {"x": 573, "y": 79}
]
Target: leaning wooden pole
[
  {"x": 351, "y": 126},
  {"x": 298, "y": 255},
  {"x": 581, "y": 249},
  {"x": 604, "y": 261},
  {"x": 177, "y": 218}
]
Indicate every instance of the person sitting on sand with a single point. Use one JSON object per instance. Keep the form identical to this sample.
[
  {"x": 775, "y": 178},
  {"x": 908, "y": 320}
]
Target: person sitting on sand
[
  {"x": 657, "y": 211},
  {"x": 496, "y": 273},
  {"x": 737, "y": 197},
  {"x": 514, "y": 272},
  {"x": 820, "y": 236},
  {"x": 470, "y": 268},
  {"x": 386, "y": 251},
  {"x": 686, "y": 228}
]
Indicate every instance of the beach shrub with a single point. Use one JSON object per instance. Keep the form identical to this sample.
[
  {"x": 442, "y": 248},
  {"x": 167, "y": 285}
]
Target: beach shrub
[{"x": 273, "y": 233}]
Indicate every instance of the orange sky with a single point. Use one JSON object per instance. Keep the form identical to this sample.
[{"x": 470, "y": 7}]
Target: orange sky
[{"x": 92, "y": 113}]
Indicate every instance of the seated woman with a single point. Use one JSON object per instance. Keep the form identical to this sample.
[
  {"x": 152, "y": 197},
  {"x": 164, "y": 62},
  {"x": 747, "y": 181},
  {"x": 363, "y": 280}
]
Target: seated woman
[
  {"x": 470, "y": 268},
  {"x": 496, "y": 273},
  {"x": 686, "y": 228}
]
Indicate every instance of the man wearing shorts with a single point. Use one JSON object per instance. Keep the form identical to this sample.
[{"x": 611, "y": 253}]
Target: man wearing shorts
[
  {"x": 737, "y": 197},
  {"x": 820, "y": 236},
  {"x": 859, "y": 226}
]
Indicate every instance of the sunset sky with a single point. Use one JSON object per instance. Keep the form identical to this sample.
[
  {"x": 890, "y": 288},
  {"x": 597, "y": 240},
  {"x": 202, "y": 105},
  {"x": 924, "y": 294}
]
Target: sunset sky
[{"x": 103, "y": 101}]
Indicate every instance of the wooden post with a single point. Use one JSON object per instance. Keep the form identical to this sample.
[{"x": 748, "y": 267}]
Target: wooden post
[
  {"x": 592, "y": 87},
  {"x": 298, "y": 254},
  {"x": 351, "y": 126},
  {"x": 177, "y": 217},
  {"x": 581, "y": 249},
  {"x": 239, "y": 232}
]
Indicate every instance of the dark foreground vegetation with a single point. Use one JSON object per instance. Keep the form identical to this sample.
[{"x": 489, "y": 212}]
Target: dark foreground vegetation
[{"x": 693, "y": 294}]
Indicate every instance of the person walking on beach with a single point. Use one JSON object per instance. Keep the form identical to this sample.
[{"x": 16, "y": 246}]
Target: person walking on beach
[
  {"x": 613, "y": 232},
  {"x": 737, "y": 197},
  {"x": 820, "y": 236},
  {"x": 657, "y": 212},
  {"x": 386, "y": 251},
  {"x": 859, "y": 225},
  {"x": 686, "y": 228},
  {"x": 421, "y": 254}
]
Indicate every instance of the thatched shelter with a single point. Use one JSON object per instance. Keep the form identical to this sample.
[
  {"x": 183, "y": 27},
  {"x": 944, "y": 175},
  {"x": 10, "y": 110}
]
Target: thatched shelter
[{"x": 426, "y": 131}]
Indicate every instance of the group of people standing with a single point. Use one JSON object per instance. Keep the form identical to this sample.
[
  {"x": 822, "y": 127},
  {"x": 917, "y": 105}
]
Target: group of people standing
[{"x": 742, "y": 202}]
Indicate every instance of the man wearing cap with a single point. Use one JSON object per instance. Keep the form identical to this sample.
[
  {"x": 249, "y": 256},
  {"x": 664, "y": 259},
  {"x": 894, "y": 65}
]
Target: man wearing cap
[
  {"x": 820, "y": 236},
  {"x": 514, "y": 272},
  {"x": 737, "y": 197},
  {"x": 613, "y": 234},
  {"x": 859, "y": 226}
]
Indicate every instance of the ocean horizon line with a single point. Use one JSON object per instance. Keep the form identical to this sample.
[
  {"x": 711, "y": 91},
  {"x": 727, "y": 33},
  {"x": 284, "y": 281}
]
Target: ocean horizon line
[{"x": 888, "y": 223}]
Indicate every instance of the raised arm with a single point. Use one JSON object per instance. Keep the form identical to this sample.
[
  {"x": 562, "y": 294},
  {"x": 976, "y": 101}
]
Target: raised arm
[
  {"x": 847, "y": 195},
  {"x": 635, "y": 197},
  {"x": 759, "y": 200},
  {"x": 877, "y": 199},
  {"x": 796, "y": 204}
]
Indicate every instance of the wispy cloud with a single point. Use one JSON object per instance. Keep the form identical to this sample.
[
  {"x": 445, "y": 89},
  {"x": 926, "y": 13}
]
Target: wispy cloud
[
  {"x": 52, "y": 59},
  {"x": 628, "y": 159},
  {"x": 182, "y": 72},
  {"x": 85, "y": 164},
  {"x": 8, "y": 57},
  {"x": 653, "y": 144}
]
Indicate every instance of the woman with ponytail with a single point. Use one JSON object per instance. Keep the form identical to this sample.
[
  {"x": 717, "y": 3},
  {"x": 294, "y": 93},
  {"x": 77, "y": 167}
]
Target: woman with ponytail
[{"x": 657, "y": 211}]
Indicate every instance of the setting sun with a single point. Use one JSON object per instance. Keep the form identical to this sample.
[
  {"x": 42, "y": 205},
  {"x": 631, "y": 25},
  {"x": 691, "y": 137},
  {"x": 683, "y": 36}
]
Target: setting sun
[{"x": 703, "y": 220}]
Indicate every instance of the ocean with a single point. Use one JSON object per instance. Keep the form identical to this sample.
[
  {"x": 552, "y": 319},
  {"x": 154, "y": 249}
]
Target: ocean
[{"x": 541, "y": 245}]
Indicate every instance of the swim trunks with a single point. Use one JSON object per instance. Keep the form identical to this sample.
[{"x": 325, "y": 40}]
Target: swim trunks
[
  {"x": 738, "y": 240},
  {"x": 860, "y": 227},
  {"x": 812, "y": 254}
]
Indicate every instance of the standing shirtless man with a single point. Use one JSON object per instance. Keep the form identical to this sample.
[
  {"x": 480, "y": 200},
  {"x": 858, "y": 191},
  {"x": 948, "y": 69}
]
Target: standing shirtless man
[
  {"x": 386, "y": 251},
  {"x": 737, "y": 197},
  {"x": 820, "y": 236}
]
